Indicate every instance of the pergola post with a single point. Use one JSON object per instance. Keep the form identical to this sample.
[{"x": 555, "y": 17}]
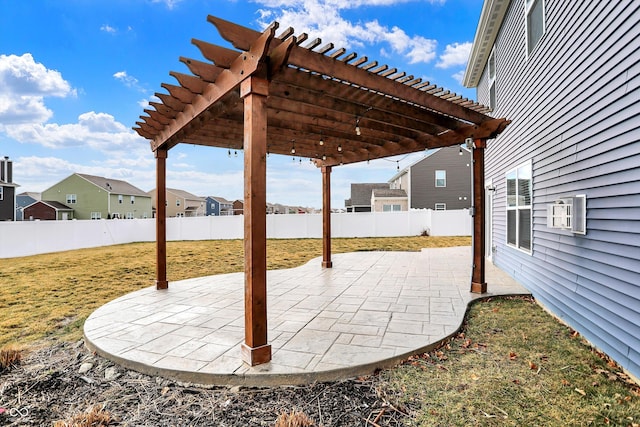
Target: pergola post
[
  {"x": 161, "y": 218},
  {"x": 326, "y": 217},
  {"x": 255, "y": 350},
  {"x": 478, "y": 281}
]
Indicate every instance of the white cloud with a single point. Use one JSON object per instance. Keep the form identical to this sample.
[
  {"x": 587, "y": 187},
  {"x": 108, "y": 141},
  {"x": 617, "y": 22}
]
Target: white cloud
[
  {"x": 99, "y": 131},
  {"x": 454, "y": 54},
  {"x": 323, "y": 19},
  {"x": 169, "y": 3},
  {"x": 39, "y": 173},
  {"x": 459, "y": 76},
  {"x": 25, "y": 83},
  {"x": 108, "y": 29},
  {"x": 128, "y": 81}
]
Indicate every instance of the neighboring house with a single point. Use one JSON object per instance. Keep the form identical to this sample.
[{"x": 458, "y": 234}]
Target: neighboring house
[
  {"x": 563, "y": 180},
  {"x": 96, "y": 197},
  {"x": 238, "y": 207},
  {"x": 389, "y": 200},
  {"x": 440, "y": 181},
  {"x": 7, "y": 191},
  {"x": 47, "y": 210},
  {"x": 360, "y": 200},
  {"x": 218, "y": 206},
  {"x": 23, "y": 200},
  {"x": 181, "y": 203}
]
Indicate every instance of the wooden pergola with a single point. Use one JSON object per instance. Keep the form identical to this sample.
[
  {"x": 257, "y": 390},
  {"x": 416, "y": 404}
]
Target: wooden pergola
[{"x": 270, "y": 94}]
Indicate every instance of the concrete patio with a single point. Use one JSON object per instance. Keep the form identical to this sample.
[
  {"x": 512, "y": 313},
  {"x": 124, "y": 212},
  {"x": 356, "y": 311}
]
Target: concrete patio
[{"x": 371, "y": 310}]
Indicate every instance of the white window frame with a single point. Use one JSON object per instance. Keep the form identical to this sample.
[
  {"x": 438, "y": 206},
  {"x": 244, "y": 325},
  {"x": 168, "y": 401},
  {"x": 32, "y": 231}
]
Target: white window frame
[
  {"x": 569, "y": 214},
  {"x": 491, "y": 75},
  {"x": 129, "y": 215},
  {"x": 441, "y": 206},
  {"x": 443, "y": 179},
  {"x": 391, "y": 207},
  {"x": 177, "y": 202},
  {"x": 96, "y": 215},
  {"x": 518, "y": 205},
  {"x": 120, "y": 198},
  {"x": 528, "y": 7},
  {"x": 72, "y": 199},
  {"x": 1, "y": 193},
  {"x": 133, "y": 200}
]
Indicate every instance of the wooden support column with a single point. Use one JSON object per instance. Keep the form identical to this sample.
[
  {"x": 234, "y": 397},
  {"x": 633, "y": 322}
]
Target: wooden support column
[
  {"x": 255, "y": 350},
  {"x": 326, "y": 217},
  {"x": 161, "y": 219},
  {"x": 478, "y": 280}
]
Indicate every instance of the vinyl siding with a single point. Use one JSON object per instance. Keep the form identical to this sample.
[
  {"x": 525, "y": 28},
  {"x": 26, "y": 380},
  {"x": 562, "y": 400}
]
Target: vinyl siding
[
  {"x": 425, "y": 194},
  {"x": 575, "y": 114}
]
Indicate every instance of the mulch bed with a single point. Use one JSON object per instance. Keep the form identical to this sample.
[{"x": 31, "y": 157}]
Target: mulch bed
[{"x": 65, "y": 380}]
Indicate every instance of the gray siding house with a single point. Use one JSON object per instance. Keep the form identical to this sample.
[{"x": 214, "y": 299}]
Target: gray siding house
[
  {"x": 360, "y": 200},
  {"x": 441, "y": 180},
  {"x": 563, "y": 180}
]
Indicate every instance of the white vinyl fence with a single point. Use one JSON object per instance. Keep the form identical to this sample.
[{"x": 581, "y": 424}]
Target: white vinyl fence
[{"x": 23, "y": 238}]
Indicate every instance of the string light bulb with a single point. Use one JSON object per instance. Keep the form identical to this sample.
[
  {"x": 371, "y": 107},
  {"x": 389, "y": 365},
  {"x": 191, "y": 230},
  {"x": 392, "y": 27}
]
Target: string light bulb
[
  {"x": 235, "y": 153},
  {"x": 293, "y": 146},
  {"x": 229, "y": 153},
  {"x": 339, "y": 148},
  {"x": 358, "y": 126}
]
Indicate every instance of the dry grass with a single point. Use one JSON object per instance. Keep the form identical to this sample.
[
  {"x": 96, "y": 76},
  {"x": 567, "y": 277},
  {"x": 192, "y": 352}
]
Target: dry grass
[
  {"x": 515, "y": 365},
  {"x": 294, "y": 419},
  {"x": 52, "y": 294},
  {"x": 93, "y": 417},
  {"x": 10, "y": 356}
]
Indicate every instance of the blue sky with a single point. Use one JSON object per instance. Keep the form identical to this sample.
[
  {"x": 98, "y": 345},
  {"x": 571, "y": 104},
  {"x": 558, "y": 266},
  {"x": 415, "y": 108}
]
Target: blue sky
[{"x": 75, "y": 75}]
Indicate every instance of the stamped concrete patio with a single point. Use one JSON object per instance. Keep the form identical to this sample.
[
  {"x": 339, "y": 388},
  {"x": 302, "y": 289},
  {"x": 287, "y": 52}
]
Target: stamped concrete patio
[{"x": 369, "y": 311}]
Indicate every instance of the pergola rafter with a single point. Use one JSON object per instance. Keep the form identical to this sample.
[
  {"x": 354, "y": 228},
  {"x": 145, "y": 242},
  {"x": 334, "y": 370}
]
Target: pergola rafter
[{"x": 287, "y": 95}]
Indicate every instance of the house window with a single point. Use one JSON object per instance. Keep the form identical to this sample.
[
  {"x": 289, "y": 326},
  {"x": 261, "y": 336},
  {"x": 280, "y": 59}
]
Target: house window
[
  {"x": 177, "y": 202},
  {"x": 1, "y": 193},
  {"x": 180, "y": 215},
  {"x": 120, "y": 198},
  {"x": 519, "y": 194},
  {"x": 535, "y": 23},
  {"x": 96, "y": 215},
  {"x": 129, "y": 215},
  {"x": 491, "y": 66},
  {"x": 441, "y": 206},
  {"x": 391, "y": 208},
  {"x": 133, "y": 200},
  {"x": 71, "y": 199},
  {"x": 441, "y": 178}
]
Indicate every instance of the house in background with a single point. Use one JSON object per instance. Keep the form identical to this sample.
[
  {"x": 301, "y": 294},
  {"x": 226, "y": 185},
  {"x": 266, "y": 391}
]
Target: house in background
[
  {"x": 7, "y": 191},
  {"x": 23, "y": 200},
  {"x": 96, "y": 197},
  {"x": 47, "y": 211},
  {"x": 440, "y": 181},
  {"x": 181, "y": 203},
  {"x": 361, "y": 193},
  {"x": 389, "y": 200},
  {"x": 218, "y": 206},
  {"x": 563, "y": 180},
  {"x": 238, "y": 207}
]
